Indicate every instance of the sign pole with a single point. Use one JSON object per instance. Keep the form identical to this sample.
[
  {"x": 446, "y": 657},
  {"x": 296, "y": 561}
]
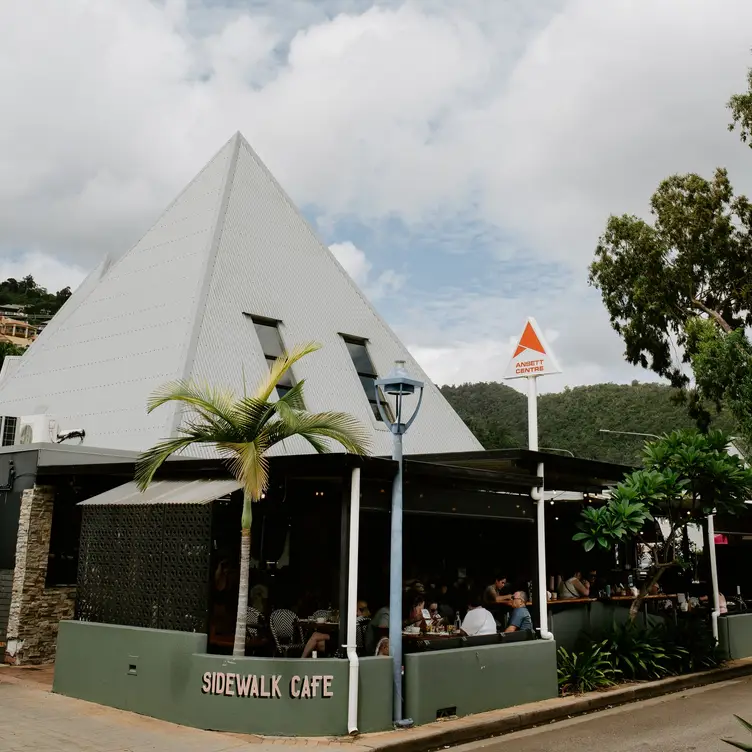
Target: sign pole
[
  {"x": 532, "y": 413},
  {"x": 533, "y": 358}
]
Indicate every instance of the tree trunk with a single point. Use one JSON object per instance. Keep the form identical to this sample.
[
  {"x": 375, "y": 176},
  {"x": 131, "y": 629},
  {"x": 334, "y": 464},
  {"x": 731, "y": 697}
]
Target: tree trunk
[
  {"x": 636, "y": 605},
  {"x": 241, "y": 620}
]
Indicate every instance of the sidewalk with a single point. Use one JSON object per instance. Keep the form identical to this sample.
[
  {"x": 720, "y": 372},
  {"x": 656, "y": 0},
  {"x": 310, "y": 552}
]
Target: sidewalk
[{"x": 36, "y": 720}]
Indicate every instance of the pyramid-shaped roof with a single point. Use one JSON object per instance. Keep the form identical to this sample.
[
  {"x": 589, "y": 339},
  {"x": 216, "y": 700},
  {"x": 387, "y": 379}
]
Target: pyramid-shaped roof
[{"x": 179, "y": 305}]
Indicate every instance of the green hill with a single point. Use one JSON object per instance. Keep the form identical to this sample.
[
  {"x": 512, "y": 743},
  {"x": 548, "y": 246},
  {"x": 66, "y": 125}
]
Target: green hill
[{"x": 570, "y": 420}]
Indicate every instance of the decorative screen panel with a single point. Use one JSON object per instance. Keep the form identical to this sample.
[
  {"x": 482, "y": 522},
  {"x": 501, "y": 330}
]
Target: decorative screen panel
[{"x": 145, "y": 565}]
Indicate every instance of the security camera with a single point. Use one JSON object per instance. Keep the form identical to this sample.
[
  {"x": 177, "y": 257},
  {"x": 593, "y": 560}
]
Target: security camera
[{"x": 71, "y": 433}]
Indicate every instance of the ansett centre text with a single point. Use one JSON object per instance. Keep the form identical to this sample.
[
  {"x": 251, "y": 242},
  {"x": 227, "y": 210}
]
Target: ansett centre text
[
  {"x": 529, "y": 366},
  {"x": 254, "y": 685}
]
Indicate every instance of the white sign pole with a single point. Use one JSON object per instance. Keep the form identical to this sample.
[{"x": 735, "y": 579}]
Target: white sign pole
[
  {"x": 532, "y": 413},
  {"x": 533, "y": 358}
]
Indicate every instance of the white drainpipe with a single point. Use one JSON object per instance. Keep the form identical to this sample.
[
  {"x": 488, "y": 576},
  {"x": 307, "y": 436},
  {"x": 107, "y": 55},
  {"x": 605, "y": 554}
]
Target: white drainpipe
[
  {"x": 714, "y": 578},
  {"x": 540, "y": 509},
  {"x": 352, "y": 604}
]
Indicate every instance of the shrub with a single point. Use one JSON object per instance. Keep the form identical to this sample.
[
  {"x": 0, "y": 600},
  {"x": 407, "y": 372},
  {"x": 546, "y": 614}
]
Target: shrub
[
  {"x": 644, "y": 653},
  {"x": 741, "y": 745},
  {"x": 585, "y": 671}
]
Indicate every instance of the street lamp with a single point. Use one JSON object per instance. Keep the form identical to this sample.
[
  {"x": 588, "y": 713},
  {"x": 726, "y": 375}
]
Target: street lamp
[{"x": 399, "y": 385}]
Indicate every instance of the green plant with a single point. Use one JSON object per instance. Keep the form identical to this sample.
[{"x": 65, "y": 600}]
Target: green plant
[
  {"x": 740, "y": 745},
  {"x": 585, "y": 671},
  {"x": 643, "y": 653},
  {"x": 686, "y": 476},
  {"x": 242, "y": 431}
]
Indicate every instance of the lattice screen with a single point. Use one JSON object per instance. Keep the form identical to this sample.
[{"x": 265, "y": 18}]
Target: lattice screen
[{"x": 145, "y": 565}]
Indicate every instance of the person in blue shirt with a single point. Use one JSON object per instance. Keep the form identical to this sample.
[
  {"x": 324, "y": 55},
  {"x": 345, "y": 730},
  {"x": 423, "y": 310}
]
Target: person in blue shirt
[{"x": 520, "y": 618}]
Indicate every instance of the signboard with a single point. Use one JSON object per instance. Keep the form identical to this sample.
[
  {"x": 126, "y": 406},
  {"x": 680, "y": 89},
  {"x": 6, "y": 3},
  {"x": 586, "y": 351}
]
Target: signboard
[
  {"x": 532, "y": 356},
  {"x": 255, "y": 685}
]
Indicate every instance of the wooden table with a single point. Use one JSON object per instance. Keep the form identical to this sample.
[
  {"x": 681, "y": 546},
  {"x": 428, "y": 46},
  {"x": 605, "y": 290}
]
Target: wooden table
[{"x": 325, "y": 627}]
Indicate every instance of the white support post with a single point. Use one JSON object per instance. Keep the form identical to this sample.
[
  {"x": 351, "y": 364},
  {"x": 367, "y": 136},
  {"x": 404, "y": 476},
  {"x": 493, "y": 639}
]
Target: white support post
[
  {"x": 352, "y": 604},
  {"x": 539, "y": 497},
  {"x": 714, "y": 578}
]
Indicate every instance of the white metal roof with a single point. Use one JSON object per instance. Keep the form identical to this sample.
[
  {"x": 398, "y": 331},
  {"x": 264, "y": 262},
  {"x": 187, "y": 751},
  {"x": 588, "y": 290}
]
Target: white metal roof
[
  {"x": 173, "y": 307},
  {"x": 165, "y": 492}
]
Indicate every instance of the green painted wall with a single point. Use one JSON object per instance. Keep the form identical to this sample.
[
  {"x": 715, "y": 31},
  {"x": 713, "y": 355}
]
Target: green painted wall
[
  {"x": 94, "y": 662},
  {"x": 735, "y": 635},
  {"x": 571, "y": 624},
  {"x": 162, "y": 674},
  {"x": 473, "y": 680}
]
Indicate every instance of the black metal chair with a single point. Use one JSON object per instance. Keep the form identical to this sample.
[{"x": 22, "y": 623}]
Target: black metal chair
[
  {"x": 255, "y": 624},
  {"x": 361, "y": 627},
  {"x": 286, "y": 632}
]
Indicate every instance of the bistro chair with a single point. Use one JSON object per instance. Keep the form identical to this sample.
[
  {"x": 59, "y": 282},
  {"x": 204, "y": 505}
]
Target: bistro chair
[
  {"x": 254, "y": 625},
  {"x": 322, "y": 613},
  {"x": 286, "y": 632},
  {"x": 361, "y": 626}
]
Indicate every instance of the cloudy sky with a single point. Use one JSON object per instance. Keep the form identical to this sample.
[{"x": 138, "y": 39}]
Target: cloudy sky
[{"x": 461, "y": 158}]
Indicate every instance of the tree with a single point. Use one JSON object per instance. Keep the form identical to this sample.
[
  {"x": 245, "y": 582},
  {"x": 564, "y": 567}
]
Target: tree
[
  {"x": 686, "y": 476},
  {"x": 243, "y": 430},
  {"x": 693, "y": 262},
  {"x": 6, "y": 349}
]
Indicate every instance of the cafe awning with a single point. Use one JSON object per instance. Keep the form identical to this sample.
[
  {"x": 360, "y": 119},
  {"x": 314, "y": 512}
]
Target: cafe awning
[{"x": 196, "y": 491}]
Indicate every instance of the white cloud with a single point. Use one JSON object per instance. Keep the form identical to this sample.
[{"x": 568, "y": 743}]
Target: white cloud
[
  {"x": 535, "y": 120},
  {"x": 48, "y": 272},
  {"x": 353, "y": 260},
  {"x": 355, "y": 263}
]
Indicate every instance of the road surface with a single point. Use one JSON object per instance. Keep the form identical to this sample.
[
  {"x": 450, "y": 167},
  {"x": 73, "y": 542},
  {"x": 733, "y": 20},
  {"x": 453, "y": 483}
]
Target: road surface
[{"x": 695, "y": 719}]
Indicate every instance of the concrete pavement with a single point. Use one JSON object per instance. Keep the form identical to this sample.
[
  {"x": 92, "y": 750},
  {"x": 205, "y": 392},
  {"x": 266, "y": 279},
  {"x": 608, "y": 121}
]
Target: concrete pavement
[
  {"x": 35, "y": 720},
  {"x": 695, "y": 719}
]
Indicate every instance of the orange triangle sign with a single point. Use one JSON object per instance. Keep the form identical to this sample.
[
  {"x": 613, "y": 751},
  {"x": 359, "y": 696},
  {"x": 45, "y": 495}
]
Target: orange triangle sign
[{"x": 529, "y": 341}]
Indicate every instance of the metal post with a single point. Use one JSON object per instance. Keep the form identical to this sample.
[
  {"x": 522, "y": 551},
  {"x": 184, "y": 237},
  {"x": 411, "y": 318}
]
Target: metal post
[
  {"x": 532, "y": 413},
  {"x": 539, "y": 497},
  {"x": 352, "y": 604},
  {"x": 395, "y": 574},
  {"x": 713, "y": 577}
]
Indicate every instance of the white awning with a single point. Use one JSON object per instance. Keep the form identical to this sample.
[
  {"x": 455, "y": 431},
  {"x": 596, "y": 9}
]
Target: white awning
[{"x": 166, "y": 492}]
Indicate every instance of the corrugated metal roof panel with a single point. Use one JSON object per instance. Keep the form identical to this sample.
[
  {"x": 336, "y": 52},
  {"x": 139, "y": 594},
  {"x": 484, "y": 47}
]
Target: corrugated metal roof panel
[
  {"x": 165, "y": 492},
  {"x": 231, "y": 244}
]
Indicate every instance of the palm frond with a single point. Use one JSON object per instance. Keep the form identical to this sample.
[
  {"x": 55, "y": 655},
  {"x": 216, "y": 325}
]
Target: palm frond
[
  {"x": 152, "y": 459},
  {"x": 205, "y": 399},
  {"x": 248, "y": 463},
  {"x": 340, "y": 427},
  {"x": 281, "y": 366}
]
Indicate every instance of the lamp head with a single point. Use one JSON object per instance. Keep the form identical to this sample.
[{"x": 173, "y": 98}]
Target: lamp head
[{"x": 397, "y": 382}]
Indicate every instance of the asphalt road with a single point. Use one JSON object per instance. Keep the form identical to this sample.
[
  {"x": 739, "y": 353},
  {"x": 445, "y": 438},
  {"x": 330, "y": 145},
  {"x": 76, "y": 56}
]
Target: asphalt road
[{"x": 695, "y": 719}]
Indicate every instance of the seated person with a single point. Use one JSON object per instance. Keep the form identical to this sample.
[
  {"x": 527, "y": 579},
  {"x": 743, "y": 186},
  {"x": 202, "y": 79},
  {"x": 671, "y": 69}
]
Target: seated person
[
  {"x": 494, "y": 594},
  {"x": 478, "y": 620},
  {"x": 520, "y": 618},
  {"x": 574, "y": 587}
]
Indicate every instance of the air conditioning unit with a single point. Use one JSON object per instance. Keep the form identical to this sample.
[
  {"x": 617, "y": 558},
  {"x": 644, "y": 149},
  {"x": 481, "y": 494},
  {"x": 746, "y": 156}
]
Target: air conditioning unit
[{"x": 36, "y": 429}]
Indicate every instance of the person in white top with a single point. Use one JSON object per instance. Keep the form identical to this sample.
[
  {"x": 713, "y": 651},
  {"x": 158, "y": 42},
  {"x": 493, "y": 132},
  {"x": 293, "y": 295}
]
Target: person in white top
[
  {"x": 574, "y": 587},
  {"x": 478, "y": 620}
]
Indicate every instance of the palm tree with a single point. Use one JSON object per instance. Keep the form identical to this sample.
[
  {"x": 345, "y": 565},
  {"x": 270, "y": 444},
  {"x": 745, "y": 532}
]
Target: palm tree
[{"x": 243, "y": 430}]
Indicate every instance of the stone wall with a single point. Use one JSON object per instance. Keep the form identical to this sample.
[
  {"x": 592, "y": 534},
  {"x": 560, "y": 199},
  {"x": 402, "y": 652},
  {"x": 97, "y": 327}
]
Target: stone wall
[{"x": 35, "y": 610}]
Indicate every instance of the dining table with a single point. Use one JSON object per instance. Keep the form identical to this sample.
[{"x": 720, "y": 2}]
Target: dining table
[{"x": 316, "y": 625}]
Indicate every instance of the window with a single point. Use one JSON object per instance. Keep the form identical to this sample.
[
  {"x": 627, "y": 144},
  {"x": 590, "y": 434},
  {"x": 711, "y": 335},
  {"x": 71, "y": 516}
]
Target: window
[
  {"x": 9, "y": 431},
  {"x": 367, "y": 374},
  {"x": 267, "y": 331}
]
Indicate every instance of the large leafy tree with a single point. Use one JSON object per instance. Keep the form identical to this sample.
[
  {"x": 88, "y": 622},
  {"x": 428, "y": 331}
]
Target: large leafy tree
[
  {"x": 242, "y": 430},
  {"x": 686, "y": 476},
  {"x": 662, "y": 281},
  {"x": 693, "y": 262}
]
